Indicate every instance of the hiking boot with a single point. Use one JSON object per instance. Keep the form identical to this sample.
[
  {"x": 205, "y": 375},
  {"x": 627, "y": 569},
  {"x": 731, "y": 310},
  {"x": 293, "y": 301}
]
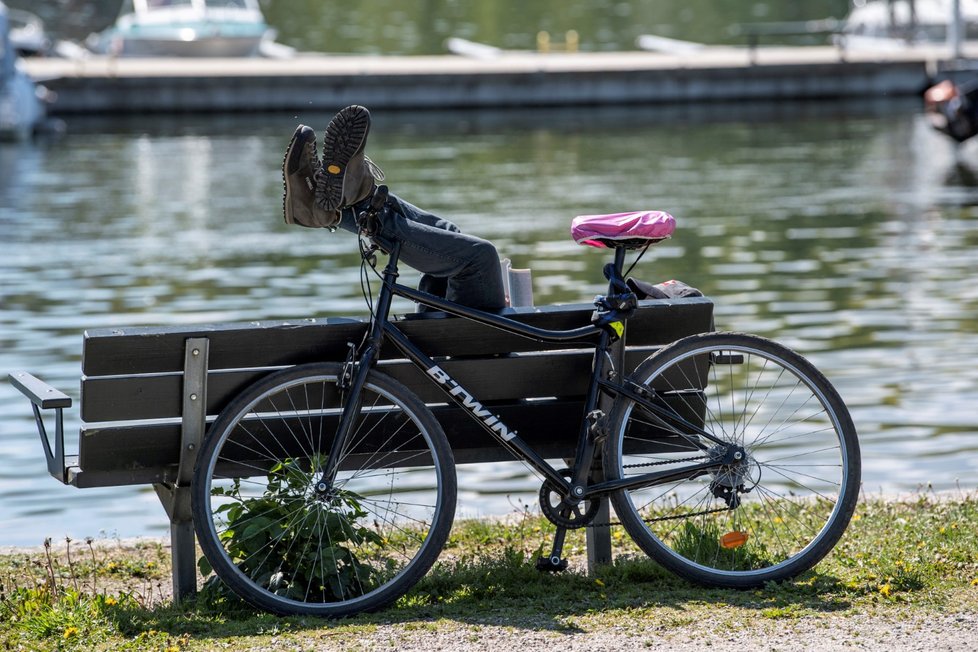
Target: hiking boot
[
  {"x": 347, "y": 175},
  {"x": 299, "y": 170}
]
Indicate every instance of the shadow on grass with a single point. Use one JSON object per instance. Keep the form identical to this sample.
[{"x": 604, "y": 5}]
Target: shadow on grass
[{"x": 506, "y": 589}]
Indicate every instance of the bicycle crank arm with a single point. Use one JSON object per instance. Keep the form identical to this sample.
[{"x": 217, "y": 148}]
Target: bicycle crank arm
[{"x": 554, "y": 563}]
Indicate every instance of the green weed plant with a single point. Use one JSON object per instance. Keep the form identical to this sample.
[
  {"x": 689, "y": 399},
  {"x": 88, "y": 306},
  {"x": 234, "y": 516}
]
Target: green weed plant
[{"x": 294, "y": 544}]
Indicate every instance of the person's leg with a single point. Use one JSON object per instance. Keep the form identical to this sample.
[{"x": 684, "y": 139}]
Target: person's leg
[
  {"x": 437, "y": 285},
  {"x": 462, "y": 268}
]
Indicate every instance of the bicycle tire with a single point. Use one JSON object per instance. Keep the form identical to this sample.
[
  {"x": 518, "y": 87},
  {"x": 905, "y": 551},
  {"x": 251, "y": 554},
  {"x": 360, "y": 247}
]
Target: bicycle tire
[
  {"x": 283, "y": 547},
  {"x": 766, "y": 518}
]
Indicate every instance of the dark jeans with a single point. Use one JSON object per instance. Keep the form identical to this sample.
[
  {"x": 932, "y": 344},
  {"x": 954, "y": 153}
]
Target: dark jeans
[{"x": 459, "y": 267}]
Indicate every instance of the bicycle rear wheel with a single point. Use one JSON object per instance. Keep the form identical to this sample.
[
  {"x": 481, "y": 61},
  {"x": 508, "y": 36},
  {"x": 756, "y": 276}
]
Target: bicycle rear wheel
[
  {"x": 767, "y": 516},
  {"x": 285, "y": 547}
]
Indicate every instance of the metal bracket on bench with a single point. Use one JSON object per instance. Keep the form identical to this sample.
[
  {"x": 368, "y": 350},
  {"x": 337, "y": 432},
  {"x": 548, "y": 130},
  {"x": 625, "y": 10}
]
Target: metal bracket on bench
[
  {"x": 194, "y": 406},
  {"x": 176, "y": 496},
  {"x": 45, "y": 397}
]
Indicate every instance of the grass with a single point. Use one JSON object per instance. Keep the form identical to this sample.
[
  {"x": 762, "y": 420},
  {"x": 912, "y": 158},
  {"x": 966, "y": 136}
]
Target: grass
[{"x": 898, "y": 559}]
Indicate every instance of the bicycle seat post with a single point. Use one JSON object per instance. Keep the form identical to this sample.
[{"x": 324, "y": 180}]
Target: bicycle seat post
[{"x": 619, "y": 262}]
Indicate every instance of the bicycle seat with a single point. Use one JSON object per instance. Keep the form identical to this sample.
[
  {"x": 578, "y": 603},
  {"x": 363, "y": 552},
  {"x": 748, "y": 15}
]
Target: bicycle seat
[{"x": 630, "y": 230}]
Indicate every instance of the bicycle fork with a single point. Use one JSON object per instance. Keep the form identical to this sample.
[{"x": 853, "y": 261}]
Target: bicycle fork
[
  {"x": 354, "y": 377},
  {"x": 351, "y": 408}
]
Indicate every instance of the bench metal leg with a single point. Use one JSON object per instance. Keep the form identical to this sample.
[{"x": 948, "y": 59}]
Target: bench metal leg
[
  {"x": 183, "y": 545},
  {"x": 184, "y": 552},
  {"x": 599, "y": 541},
  {"x": 599, "y": 538},
  {"x": 176, "y": 497}
]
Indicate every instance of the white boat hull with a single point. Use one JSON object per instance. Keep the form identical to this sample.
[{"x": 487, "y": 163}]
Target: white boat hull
[{"x": 200, "y": 47}]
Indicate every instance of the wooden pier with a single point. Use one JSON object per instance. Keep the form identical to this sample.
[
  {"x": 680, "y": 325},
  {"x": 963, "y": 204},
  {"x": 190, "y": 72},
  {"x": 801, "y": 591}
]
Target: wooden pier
[{"x": 103, "y": 85}]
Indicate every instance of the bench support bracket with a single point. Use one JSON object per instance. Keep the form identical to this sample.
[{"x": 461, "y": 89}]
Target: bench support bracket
[
  {"x": 45, "y": 397},
  {"x": 176, "y": 496}
]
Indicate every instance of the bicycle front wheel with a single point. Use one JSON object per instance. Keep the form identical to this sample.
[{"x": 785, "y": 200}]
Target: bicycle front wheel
[
  {"x": 287, "y": 544},
  {"x": 783, "y": 467}
]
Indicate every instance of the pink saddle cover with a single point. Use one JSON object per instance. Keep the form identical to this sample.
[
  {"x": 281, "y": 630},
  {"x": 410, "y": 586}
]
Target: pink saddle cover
[{"x": 597, "y": 230}]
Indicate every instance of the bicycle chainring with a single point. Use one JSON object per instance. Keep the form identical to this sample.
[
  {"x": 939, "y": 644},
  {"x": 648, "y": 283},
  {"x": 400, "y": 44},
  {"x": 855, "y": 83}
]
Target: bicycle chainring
[{"x": 563, "y": 514}]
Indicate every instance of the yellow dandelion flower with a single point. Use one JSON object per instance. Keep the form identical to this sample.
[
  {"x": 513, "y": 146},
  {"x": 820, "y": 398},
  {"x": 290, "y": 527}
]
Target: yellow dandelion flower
[
  {"x": 110, "y": 601},
  {"x": 71, "y": 631},
  {"x": 885, "y": 590},
  {"x": 974, "y": 582},
  {"x": 856, "y": 517}
]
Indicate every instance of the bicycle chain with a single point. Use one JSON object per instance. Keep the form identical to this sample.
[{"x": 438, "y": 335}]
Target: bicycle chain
[
  {"x": 664, "y": 518},
  {"x": 663, "y": 462}
]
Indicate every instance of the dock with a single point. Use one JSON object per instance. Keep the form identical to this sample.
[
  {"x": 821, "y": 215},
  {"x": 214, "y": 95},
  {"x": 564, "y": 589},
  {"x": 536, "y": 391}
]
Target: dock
[{"x": 106, "y": 85}]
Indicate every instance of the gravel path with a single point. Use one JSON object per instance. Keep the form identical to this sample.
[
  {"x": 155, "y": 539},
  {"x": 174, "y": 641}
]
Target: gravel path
[{"x": 949, "y": 632}]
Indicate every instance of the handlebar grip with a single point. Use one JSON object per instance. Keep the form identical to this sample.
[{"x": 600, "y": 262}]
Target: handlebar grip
[{"x": 379, "y": 198}]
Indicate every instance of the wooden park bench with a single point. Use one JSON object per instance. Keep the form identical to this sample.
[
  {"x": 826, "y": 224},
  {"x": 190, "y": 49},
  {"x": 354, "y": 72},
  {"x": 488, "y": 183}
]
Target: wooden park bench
[{"x": 148, "y": 394}]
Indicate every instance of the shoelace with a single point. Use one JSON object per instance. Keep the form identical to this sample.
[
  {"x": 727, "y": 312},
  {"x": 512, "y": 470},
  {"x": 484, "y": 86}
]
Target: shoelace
[{"x": 310, "y": 153}]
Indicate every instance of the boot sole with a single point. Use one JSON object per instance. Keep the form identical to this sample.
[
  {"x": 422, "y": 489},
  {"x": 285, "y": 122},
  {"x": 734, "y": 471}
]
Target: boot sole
[
  {"x": 344, "y": 138},
  {"x": 293, "y": 152}
]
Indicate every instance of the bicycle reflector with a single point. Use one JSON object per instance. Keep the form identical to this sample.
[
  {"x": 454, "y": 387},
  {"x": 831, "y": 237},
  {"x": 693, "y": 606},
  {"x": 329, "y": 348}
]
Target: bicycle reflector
[{"x": 732, "y": 540}]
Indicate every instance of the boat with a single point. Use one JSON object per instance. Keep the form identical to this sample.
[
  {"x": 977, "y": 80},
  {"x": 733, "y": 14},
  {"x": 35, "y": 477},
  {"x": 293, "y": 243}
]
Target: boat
[
  {"x": 27, "y": 33},
  {"x": 185, "y": 28},
  {"x": 894, "y": 24},
  {"x": 22, "y": 102}
]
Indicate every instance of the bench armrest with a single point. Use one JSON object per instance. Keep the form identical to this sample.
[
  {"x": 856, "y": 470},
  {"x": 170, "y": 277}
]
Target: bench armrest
[
  {"x": 45, "y": 397},
  {"x": 39, "y": 392}
]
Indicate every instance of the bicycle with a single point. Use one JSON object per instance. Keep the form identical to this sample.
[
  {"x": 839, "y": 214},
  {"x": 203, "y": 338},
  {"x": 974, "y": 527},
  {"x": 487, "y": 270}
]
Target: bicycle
[{"x": 329, "y": 489}]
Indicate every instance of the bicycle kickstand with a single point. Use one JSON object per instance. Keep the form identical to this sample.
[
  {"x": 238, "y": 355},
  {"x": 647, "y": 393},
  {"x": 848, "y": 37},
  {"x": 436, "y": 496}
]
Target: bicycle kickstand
[{"x": 554, "y": 563}]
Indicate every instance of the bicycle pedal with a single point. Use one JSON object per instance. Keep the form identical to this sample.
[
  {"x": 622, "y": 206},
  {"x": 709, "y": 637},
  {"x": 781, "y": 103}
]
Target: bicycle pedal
[{"x": 551, "y": 564}]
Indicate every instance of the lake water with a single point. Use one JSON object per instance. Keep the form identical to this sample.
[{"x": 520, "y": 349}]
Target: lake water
[{"x": 846, "y": 231}]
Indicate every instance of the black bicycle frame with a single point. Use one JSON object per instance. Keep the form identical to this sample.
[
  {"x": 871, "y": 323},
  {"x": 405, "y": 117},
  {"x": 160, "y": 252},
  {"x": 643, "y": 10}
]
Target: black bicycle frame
[{"x": 381, "y": 329}]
